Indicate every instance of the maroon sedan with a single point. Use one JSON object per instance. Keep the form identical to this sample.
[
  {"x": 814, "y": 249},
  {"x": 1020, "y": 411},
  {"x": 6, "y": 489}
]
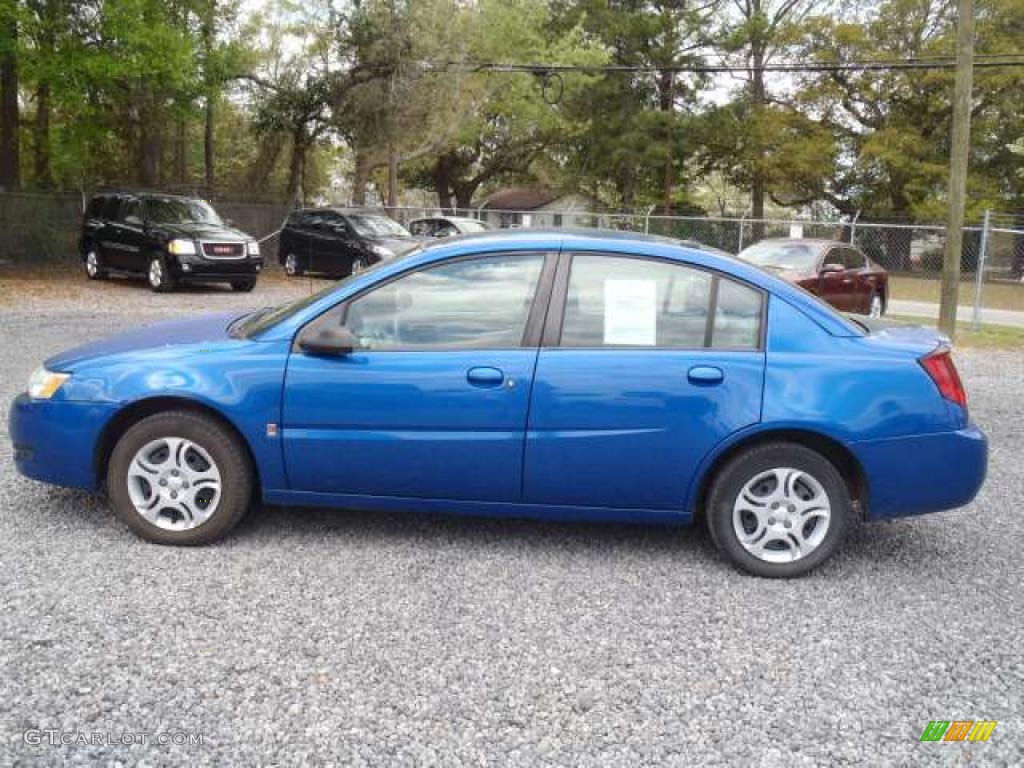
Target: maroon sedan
[{"x": 837, "y": 272}]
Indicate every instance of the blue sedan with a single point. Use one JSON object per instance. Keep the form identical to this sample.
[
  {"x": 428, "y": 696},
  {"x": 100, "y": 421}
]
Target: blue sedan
[{"x": 528, "y": 374}]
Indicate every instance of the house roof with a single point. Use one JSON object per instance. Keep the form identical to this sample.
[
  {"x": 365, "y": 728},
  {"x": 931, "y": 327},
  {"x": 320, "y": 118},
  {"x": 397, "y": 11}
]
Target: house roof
[{"x": 518, "y": 199}]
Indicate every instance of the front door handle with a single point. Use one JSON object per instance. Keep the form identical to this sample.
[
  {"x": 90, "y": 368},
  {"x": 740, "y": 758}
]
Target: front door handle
[
  {"x": 485, "y": 376},
  {"x": 705, "y": 374}
]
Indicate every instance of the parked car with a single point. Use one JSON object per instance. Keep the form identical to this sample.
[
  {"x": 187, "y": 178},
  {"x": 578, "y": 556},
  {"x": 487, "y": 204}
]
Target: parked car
[
  {"x": 446, "y": 226},
  {"x": 169, "y": 239},
  {"x": 338, "y": 242},
  {"x": 837, "y": 272},
  {"x": 526, "y": 374}
]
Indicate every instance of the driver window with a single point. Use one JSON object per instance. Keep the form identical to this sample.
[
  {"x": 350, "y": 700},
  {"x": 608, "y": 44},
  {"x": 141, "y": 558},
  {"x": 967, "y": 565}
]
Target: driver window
[{"x": 475, "y": 303}]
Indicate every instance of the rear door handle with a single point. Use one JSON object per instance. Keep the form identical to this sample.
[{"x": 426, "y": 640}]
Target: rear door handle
[
  {"x": 485, "y": 376},
  {"x": 705, "y": 374}
]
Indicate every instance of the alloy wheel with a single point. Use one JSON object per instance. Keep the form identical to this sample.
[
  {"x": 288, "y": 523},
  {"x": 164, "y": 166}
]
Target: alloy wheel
[
  {"x": 876, "y": 306},
  {"x": 92, "y": 264},
  {"x": 156, "y": 273},
  {"x": 781, "y": 515},
  {"x": 174, "y": 483},
  {"x": 291, "y": 265}
]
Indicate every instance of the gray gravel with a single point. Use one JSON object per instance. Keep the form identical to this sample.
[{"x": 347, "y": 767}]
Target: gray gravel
[{"x": 313, "y": 636}]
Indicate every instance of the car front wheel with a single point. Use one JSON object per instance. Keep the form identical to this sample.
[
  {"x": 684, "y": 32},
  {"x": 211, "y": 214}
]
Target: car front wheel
[
  {"x": 877, "y": 306},
  {"x": 778, "y": 510},
  {"x": 94, "y": 266},
  {"x": 160, "y": 279},
  {"x": 179, "y": 478},
  {"x": 292, "y": 266}
]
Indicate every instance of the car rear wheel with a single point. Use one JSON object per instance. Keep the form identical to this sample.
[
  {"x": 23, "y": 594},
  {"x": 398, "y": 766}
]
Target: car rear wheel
[
  {"x": 778, "y": 510},
  {"x": 877, "y": 306},
  {"x": 160, "y": 279},
  {"x": 94, "y": 266},
  {"x": 179, "y": 478},
  {"x": 292, "y": 266},
  {"x": 243, "y": 286}
]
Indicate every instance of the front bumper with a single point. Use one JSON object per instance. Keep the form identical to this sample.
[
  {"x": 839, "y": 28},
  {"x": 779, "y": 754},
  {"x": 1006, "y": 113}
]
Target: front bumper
[
  {"x": 210, "y": 271},
  {"x": 55, "y": 441},
  {"x": 923, "y": 473}
]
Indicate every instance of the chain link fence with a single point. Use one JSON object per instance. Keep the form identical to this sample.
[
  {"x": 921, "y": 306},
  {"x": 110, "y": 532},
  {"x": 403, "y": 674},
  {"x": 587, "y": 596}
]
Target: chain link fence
[{"x": 43, "y": 228}]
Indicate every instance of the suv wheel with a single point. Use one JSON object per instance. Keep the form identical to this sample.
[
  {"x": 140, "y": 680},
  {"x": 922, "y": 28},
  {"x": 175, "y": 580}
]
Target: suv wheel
[
  {"x": 877, "y": 306},
  {"x": 292, "y": 266},
  {"x": 160, "y": 280},
  {"x": 179, "y": 478},
  {"x": 243, "y": 286},
  {"x": 93, "y": 266},
  {"x": 778, "y": 510}
]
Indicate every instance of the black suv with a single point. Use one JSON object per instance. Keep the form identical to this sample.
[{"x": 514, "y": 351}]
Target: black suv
[
  {"x": 168, "y": 238},
  {"x": 338, "y": 242}
]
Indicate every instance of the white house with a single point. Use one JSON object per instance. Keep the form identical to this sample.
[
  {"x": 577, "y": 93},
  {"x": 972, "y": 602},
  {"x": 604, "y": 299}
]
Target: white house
[{"x": 529, "y": 207}]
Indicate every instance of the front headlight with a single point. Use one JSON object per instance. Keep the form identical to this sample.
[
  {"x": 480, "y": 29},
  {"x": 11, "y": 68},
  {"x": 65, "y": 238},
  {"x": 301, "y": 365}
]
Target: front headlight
[
  {"x": 182, "y": 247},
  {"x": 43, "y": 383},
  {"x": 380, "y": 250},
  {"x": 252, "y": 248}
]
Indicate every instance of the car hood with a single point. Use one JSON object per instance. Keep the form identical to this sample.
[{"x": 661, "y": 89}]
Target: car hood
[
  {"x": 201, "y": 231},
  {"x": 397, "y": 245},
  {"x": 195, "y": 330}
]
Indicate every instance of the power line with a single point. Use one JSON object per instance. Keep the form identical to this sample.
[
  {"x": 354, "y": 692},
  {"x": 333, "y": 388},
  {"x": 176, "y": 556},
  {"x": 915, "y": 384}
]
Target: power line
[{"x": 988, "y": 61}]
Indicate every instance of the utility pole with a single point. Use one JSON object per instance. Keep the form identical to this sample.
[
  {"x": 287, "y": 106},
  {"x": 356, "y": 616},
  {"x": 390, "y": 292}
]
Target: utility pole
[{"x": 958, "y": 157}]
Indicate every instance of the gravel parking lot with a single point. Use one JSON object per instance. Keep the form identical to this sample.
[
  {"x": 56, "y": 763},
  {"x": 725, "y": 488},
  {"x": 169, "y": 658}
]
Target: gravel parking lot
[{"x": 364, "y": 638}]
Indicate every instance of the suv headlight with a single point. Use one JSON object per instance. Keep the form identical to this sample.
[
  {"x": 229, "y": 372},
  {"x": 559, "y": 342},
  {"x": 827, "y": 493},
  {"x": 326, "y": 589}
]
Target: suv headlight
[
  {"x": 252, "y": 248},
  {"x": 182, "y": 247},
  {"x": 43, "y": 383}
]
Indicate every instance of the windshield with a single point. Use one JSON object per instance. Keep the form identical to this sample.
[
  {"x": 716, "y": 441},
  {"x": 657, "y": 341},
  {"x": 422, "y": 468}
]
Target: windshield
[
  {"x": 786, "y": 255},
  {"x": 175, "y": 210},
  {"x": 471, "y": 225},
  {"x": 262, "y": 319},
  {"x": 377, "y": 226}
]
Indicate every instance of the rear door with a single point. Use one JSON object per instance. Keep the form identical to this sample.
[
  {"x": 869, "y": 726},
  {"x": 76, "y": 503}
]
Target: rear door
[
  {"x": 434, "y": 403},
  {"x": 861, "y": 286},
  {"x": 646, "y": 365}
]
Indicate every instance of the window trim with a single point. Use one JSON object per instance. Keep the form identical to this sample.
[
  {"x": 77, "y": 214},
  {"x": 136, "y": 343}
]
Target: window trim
[
  {"x": 552, "y": 336},
  {"x": 535, "y": 318}
]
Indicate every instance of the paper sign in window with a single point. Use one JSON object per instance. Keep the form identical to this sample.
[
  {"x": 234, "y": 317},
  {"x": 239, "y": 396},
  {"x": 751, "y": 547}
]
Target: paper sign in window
[{"x": 631, "y": 312}]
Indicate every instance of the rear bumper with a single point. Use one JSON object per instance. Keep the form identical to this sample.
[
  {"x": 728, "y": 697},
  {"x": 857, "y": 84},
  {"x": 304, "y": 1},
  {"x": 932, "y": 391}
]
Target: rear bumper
[
  {"x": 923, "y": 473},
  {"x": 55, "y": 441}
]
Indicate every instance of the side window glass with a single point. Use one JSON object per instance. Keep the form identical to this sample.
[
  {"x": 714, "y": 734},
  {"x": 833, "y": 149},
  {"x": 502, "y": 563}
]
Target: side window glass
[
  {"x": 129, "y": 207},
  {"x": 474, "y": 303},
  {"x": 110, "y": 208},
  {"x": 852, "y": 259},
  {"x": 419, "y": 228},
  {"x": 96, "y": 207},
  {"x": 618, "y": 301},
  {"x": 738, "y": 313}
]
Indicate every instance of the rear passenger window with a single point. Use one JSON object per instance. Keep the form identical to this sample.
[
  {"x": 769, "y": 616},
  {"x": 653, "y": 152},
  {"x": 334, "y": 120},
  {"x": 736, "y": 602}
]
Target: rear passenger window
[
  {"x": 617, "y": 301},
  {"x": 738, "y": 313}
]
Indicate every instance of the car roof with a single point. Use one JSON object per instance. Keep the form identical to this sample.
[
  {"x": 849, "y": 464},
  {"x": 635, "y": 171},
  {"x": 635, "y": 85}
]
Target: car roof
[
  {"x": 595, "y": 241},
  {"x": 820, "y": 242}
]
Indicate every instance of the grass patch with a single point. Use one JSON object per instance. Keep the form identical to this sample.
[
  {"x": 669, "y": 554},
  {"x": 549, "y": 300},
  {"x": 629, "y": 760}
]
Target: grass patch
[
  {"x": 986, "y": 337},
  {"x": 993, "y": 295}
]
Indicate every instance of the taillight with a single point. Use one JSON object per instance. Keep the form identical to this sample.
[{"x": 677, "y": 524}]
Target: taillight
[{"x": 939, "y": 365}]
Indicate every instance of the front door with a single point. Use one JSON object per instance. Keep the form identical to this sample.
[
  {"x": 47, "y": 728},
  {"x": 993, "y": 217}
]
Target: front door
[
  {"x": 434, "y": 404},
  {"x": 655, "y": 362}
]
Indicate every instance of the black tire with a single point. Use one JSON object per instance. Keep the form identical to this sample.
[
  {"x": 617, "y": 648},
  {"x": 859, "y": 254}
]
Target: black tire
[
  {"x": 93, "y": 263},
  {"x": 243, "y": 286},
  {"x": 746, "y": 466},
  {"x": 227, "y": 452},
  {"x": 167, "y": 283}
]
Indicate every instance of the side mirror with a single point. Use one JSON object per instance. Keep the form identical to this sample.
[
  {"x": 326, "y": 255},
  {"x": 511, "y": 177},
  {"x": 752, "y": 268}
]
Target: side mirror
[
  {"x": 832, "y": 269},
  {"x": 329, "y": 342}
]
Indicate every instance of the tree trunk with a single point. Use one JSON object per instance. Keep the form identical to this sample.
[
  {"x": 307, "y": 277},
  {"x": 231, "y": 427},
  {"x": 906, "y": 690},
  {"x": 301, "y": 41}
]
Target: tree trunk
[
  {"x": 10, "y": 115},
  {"x": 757, "y": 180},
  {"x": 41, "y": 139},
  {"x": 258, "y": 177},
  {"x": 208, "y": 158},
  {"x": 667, "y": 103},
  {"x": 364, "y": 167},
  {"x": 180, "y": 150},
  {"x": 441, "y": 177},
  {"x": 297, "y": 171},
  {"x": 150, "y": 140},
  {"x": 392, "y": 178}
]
